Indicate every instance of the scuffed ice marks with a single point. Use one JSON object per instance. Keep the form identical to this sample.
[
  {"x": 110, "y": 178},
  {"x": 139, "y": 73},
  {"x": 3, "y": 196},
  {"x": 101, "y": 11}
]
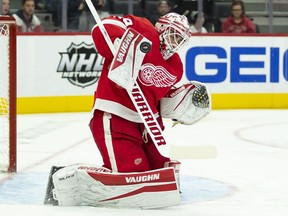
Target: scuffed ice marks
[
  {"x": 24, "y": 188},
  {"x": 29, "y": 188}
]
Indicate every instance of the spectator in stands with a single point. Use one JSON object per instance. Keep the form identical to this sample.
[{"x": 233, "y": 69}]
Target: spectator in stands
[
  {"x": 163, "y": 7},
  {"x": 73, "y": 14},
  {"x": 195, "y": 27},
  {"x": 55, "y": 8},
  {"x": 40, "y": 5},
  {"x": 87, "y": 21},
  {"x": 25, "y": 18},
  {"x": 5, "y": 8},
  {"x": 74, "y": 9},
  {"x": 48, "y": 5},
  {"x": 237, "y": 22}
]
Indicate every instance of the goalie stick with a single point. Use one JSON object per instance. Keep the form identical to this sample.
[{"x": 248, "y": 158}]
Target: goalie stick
[
  {"x": 136, "y": 95},
  {"x": 139, "y": 100}
]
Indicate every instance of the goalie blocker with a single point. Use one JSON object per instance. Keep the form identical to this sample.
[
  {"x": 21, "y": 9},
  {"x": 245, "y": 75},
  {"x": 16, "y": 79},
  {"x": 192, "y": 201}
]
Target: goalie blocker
[
  {"x": 126, "y": 64},
  {"x": 82, "y": 184}
]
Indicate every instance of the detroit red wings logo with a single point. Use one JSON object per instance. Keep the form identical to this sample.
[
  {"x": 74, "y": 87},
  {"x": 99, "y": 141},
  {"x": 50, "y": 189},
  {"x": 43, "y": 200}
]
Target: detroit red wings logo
[{"x": 156, "y": 75}]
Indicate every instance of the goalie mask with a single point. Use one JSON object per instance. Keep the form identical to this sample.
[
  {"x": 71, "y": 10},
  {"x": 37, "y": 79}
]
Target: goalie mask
[
  {"x": 174, "y": 33},
  {"x": 186, "y": 104}
]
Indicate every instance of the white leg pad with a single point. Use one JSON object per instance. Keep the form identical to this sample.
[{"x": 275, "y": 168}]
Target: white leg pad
[
  {"x": 95, "y": 187},
  {"x": 66, "y": 184}
]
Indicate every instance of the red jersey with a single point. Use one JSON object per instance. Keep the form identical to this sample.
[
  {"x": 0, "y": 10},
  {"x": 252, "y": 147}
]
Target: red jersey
[
  {"x": 34, "y": 24},
  {"x": 245, "y": 26},
  {"x": 156, "y": 75}
]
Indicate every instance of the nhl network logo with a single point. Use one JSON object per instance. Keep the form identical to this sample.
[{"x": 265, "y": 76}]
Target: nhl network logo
[{"x": 81, "y": 64}]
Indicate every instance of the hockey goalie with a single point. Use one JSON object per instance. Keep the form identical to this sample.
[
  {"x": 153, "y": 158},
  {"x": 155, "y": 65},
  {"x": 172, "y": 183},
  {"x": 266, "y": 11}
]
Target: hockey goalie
[{"x": 134, "y": 172}]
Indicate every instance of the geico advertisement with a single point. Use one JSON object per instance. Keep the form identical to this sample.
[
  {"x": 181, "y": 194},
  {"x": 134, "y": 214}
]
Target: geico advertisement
[
  {"x": 60, "y": 65},
  {"x": 238, "y": 64}
]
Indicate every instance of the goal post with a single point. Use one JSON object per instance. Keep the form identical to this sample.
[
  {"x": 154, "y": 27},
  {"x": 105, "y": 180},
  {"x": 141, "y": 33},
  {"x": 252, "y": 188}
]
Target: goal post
[{"x": 7, "y": 94}]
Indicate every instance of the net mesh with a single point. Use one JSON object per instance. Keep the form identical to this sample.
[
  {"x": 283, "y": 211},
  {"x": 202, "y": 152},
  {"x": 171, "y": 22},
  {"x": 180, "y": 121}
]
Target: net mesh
[{"x": 4, "y": 96}]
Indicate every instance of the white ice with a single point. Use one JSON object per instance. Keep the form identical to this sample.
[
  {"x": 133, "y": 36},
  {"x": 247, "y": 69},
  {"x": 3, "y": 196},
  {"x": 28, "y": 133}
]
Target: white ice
[{"x": 248, "y": 177}]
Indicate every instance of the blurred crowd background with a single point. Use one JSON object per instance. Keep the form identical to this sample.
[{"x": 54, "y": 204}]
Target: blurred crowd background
[{"x": 269, "y": 16}]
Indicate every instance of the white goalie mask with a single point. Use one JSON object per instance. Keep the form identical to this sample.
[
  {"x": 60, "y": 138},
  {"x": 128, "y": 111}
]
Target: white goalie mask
[
  {"x": 174, "y": 33},
  {"x": 186, "y": 104}
]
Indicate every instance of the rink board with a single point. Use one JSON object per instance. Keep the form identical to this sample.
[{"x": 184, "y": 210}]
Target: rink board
[{"x": 240, "y": 72}]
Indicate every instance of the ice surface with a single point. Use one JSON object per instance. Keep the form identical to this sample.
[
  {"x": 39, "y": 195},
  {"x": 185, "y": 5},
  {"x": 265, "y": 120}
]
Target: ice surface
[{"x": 249, "y": 176}]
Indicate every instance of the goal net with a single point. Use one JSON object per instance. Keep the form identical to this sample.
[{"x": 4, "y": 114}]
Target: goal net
[{"x": 7, "y": 94}]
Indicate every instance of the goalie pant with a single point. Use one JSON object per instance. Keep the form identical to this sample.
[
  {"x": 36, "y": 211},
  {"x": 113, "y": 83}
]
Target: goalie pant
[
  {"x": 97, "y": 186},
  {"x": 125, "y": 145}
]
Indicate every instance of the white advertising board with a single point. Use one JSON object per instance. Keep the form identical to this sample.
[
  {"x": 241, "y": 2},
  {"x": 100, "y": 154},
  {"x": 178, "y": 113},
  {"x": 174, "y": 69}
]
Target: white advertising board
[
  {"x": 235, "y": 64},
  {"x": 237, "y": 70},
  {"x": 57, "y": 65}
]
